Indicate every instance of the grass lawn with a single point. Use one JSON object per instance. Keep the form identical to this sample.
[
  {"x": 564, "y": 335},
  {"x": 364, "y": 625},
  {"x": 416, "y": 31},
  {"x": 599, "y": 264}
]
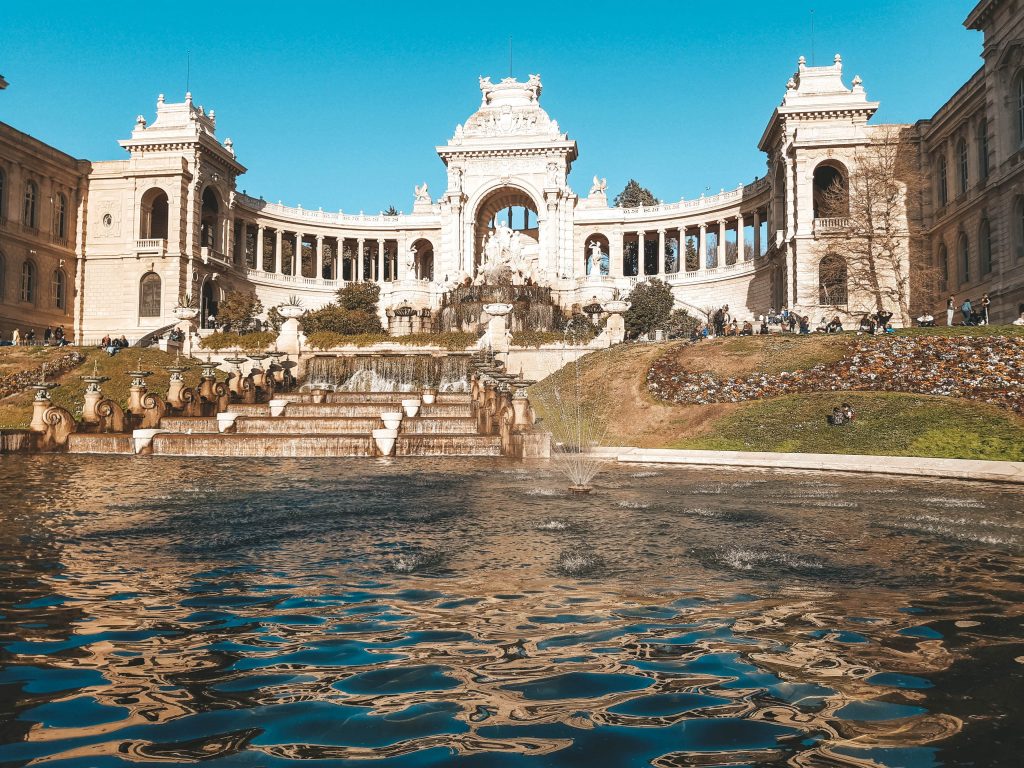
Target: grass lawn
[
  {"x": 614, "y": 382},
  {"x": 16, "y": 410},
  {"x": 886, "y": 424}
]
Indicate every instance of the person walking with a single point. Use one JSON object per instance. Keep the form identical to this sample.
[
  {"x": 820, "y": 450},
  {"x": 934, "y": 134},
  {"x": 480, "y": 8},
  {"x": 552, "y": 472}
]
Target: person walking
[
  {"x": 950, "y": 308},
  {"x": 965, "y": 310},
  {"x": 15, "y": 337},
  {"x": 985, "y": 303}
]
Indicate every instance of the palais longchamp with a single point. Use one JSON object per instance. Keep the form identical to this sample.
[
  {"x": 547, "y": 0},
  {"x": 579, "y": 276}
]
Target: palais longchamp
[{"x": 110, "y": 247}]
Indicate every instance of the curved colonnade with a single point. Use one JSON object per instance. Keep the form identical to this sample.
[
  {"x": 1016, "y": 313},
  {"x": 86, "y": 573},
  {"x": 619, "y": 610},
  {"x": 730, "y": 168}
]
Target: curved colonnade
[{"x": 283, "y": 250}]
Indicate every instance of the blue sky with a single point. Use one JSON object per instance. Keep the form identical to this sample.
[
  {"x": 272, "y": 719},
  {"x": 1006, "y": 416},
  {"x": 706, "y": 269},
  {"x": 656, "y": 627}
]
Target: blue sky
[{"x": 340, "y": 105}]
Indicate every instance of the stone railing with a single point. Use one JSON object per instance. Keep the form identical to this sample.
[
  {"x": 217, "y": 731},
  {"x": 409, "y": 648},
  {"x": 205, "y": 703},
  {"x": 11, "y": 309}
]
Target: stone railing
[
  {"x": 208, "y": 253},
  {"x": 322, "y": 216},
  {"x": 58, "y": 240},
  {"x": 260, "y": 276},
  {"x": 150, "y": 245},
  {"x": 834, "y": 224},
  {"x": 724, "y": 197}
]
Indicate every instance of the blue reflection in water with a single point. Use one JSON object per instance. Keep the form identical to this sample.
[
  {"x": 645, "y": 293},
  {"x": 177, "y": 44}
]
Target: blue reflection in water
[{"x": 424, "y": 613}]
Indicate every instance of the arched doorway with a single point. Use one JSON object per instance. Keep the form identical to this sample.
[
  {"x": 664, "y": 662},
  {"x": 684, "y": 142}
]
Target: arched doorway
[
  {"x": 422, "y": 251},
  {"x": 209, "y": 219},
  {"x": 153, "y": 215},
  {"x": 507, "y": 213},
  {"x": 830, "y": 197},
  {"x": 207, "y": 304}
]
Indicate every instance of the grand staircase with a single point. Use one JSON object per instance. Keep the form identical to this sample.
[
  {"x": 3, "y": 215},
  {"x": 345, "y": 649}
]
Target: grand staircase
[{"x": 337, "y": 424}]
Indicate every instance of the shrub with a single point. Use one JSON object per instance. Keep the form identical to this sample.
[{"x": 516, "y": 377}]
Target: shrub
[
  {"x": 247, "y": 341},
  {"x": 238, "y": 310},
  {"x": 362, "y": 297},
  {"x": 681, "y": 324},
  {"x": 650, "y": 307}
]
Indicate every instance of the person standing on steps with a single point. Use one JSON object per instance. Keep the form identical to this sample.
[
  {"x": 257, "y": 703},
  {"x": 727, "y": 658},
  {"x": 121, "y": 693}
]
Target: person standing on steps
[
  {"x": 985, "y": 303},
  {"x": 950, "y": 308}
]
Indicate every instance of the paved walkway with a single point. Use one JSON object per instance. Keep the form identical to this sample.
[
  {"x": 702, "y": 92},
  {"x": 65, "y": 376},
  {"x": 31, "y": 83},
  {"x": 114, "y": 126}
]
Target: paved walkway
[{"x": 953, "y": 469}]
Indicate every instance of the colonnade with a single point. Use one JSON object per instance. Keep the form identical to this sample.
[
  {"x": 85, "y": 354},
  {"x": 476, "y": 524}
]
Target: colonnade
[
  {"x": 631, "y": 251},
  {"x": 295, "y": 254}
]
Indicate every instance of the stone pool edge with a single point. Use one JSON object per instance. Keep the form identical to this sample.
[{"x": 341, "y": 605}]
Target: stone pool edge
[{"x": 951, "y": 469}]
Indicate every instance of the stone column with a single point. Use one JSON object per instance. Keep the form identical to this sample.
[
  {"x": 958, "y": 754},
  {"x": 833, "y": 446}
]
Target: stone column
[
  {"x": 702, "y": 247},
  {"x": 259, "y": 247},
  {"x": 615, "y": 247},
  {"x": 720, "y": 257},
  {"x": 740, "y": 245},
  {"x": 380, "y": 261},
  {"x": 319, "y": 257},
  {"x": 229, "y": 240},
  {"x": 357, "y": 273},
  {"x": 277, "y": 252},
  {"x": 640, "y": 254},
  {"x": 757, "y": 234},
  {"x": 661, "y": 253},
  {"x": 297, "y": 256}
]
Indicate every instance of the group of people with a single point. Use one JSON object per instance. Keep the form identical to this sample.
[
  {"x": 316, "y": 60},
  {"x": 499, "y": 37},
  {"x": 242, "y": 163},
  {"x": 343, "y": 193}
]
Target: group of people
[
  {"x": 113, "y": 346},
  {"x": 877, "y": 322},
  {"x": 972, "y": 313},
  {"x": 841, "y": 414},
  {"x": 55, "y": 337}
]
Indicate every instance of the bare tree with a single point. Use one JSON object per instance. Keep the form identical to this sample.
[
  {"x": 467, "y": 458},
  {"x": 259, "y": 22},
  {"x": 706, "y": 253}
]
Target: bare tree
[{"x": 883, "y": 260}]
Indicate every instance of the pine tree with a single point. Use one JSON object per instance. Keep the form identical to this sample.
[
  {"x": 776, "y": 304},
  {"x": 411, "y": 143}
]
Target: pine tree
[{"x": 633, "y": 196}]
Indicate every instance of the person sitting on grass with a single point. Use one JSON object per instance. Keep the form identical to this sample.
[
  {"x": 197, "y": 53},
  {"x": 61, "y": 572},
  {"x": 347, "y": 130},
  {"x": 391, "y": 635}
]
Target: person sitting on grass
[
  {"x": 805, "y": 325},
  {"x": 835, "y": 326},
  {"x": 837, "y": 418},
  {"x": 926, "y": 320},
  {"x": 867, "y": 325},
  {"x": 764, "y": 327},
  {"x": 748, "y": 329},
  {"x": 1019, "y": 320}
]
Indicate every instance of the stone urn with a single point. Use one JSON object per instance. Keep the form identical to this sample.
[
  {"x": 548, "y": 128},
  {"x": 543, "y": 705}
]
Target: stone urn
[
  {"x": 290, "y": 311},
  {"x": 391, "y": 419},
  {"x": 385, "y": 440},
  {"x": 429, "y": 395},
  {"x": 616, "y": 326},
  {"x": 185, "y": 313},
  {"x": 616, "y": 307},
  {"x": 411, "y": 406}
]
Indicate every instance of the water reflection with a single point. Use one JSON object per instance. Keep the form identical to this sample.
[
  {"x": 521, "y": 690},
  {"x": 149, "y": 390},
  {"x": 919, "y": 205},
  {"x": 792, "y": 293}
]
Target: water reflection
[{"x": 473, "y": 613}]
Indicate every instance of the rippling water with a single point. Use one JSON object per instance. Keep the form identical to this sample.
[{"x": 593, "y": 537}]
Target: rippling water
[{"x": 473, "y": 613}]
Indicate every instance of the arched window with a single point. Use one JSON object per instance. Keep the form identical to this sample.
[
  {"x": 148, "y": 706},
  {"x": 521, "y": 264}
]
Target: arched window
[
  {"x": 963, "y": 251},
  {"x": 832, "y": 280},
  {"x": 3, "y": 195},
  {"x": 1020, "y": 226},
  {"x": 961, "y": 159},
  {"x": 59, "y": 289},
  {"x": 28, "y": 282},
  {"x": 153, "y": 215},
  {"x": 209, "y": 219},
  {"x": 28, "y": 210},
  {"x": 983, "y": 150},
  {"x": 62, "y": 216},
  {"x": 3, "y": 277},
  {"x": 942, "y": 262},
  {"x": 985, "y": 246},
  {"x": 830, "y": 191},
  {"x": 1020, "y": 108},
  {"x": 149, "y": 295},
  {"x": 942, "y": 182}
]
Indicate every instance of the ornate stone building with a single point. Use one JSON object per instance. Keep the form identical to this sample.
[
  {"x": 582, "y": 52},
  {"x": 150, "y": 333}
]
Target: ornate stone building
[
  {"x": 974, "y": 153},
  {"x": 168, "y": 221}
]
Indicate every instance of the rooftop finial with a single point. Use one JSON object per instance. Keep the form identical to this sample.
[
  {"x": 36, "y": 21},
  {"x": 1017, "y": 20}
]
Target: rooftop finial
[
  {"x": 838, "y": 59},
  {"x": 188, "y": 98},
  {"x": 802, "y": 61},
  {"x": 160, "y": 99}
]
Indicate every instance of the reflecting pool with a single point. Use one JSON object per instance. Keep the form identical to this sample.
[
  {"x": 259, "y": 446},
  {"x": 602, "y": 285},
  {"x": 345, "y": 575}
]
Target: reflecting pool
[{"x": 247, "y": 612}]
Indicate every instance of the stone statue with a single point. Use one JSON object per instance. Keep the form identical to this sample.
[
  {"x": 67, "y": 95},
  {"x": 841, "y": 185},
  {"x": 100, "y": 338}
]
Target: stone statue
[
  {"x": 599, "y": 186},
  {"x": 422, "y": 195},
  {"x": 595, "y": 258},
  {"x": 410, "y": 259}
]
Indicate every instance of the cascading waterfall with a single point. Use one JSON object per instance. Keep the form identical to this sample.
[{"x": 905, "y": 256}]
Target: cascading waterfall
[
  {"x": 462, "y": 308},
  {"x": 387, "y": 373}
]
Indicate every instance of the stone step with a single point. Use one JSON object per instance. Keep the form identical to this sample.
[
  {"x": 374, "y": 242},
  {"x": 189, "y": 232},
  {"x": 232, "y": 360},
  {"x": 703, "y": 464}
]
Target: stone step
[
  {"x": 265, "y": 445},
  {"x": 448, "y": 445},
  {"x": 90, "y": 443},
  {"x": 306, "y": 425},
  {"x": 189, "y": 423}
]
